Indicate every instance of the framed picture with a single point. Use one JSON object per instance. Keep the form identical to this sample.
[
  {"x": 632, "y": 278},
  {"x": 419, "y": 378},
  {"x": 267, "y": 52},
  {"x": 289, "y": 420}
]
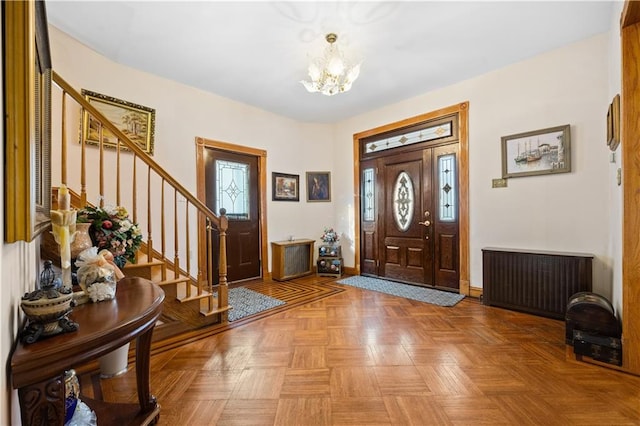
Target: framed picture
[
  {"x": 27, "y": 115},
  {"x": 613, "y": 124},
  {"x": 540, "y": 152},
  {"x": 318, "y": 186},
  {"x": 285, "y": 187},
  {"x": 137, "y": 122}
]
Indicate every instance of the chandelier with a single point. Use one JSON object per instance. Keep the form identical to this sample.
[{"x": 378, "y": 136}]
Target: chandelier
[{"x": 331, "y": 73}]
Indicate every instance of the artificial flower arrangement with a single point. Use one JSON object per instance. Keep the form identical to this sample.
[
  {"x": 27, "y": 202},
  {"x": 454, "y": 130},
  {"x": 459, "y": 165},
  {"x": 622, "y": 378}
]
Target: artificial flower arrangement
[
  {"x": 111, "y": 229},
  {"x": 330, "y": 236}
]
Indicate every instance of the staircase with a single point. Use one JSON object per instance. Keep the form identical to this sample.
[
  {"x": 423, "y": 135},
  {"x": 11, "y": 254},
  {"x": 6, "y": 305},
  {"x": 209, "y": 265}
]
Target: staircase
[{"x": 175, "y": 222}]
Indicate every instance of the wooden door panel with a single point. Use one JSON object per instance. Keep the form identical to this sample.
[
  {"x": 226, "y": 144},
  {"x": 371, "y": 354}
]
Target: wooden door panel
[
  {"x": 405, "y": 251},
  {"x": 243, "y": 233}
]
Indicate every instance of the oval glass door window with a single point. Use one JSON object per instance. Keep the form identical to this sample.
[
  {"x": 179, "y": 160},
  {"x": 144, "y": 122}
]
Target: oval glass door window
[{"x": 403, "y": 200}]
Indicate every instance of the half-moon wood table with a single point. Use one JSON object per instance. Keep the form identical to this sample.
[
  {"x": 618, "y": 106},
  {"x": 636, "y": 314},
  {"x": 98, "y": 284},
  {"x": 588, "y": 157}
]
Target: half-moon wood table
[{"x": 37, "y": 369}]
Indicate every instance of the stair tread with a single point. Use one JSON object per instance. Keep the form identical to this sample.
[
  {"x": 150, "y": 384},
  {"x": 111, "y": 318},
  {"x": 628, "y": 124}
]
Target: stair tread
[
  {"x": 174, "y": 281},
  {"x": 215, "y": 311},
  {"x": 181, "y": 294}
]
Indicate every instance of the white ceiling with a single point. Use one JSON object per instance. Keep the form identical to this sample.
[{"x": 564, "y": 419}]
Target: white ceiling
[{"x": 257, "y": 52}]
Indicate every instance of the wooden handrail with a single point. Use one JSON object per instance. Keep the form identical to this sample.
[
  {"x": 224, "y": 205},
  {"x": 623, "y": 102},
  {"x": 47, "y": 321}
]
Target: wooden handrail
[
  {"x": 202, "y": 208},
  {"x": 205, "y": 273}
]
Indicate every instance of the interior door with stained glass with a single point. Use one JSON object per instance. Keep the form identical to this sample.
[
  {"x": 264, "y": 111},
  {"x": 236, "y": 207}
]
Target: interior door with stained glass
[{"x": 232, "y": 183}]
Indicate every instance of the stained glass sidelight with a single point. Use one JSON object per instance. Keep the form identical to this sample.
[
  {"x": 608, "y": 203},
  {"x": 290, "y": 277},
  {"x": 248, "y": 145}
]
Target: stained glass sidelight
[
  {"x": 369, "y": 193},
  {"x": 232, "y": 188},
  {"x": 403, "y": 200},
  {"x": 447, "y": 185}
]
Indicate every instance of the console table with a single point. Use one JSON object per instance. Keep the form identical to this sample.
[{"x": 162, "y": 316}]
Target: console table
[{"x": 37, "y": 369}]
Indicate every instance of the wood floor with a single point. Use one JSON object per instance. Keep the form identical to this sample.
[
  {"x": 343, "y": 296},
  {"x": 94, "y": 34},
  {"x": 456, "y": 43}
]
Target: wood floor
[{"x": 359, "y": 357}]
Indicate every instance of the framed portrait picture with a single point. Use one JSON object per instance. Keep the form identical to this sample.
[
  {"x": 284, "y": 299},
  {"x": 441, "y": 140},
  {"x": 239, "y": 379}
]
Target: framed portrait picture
[
  {"x": 137, "y": 122},
  {"x": 285, "y": 187},
  {"x": 318, "y": 186},
  {"x": 539, "y": 152}
]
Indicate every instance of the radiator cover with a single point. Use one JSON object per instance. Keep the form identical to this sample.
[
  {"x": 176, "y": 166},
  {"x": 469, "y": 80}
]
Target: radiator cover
[
  {"x": 534, "y": 281},
  {"x": 291, "y": 259}
]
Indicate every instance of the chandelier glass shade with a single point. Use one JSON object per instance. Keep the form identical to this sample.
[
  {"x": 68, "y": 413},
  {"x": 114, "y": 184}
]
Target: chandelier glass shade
[{"x": 331, "y": 73}]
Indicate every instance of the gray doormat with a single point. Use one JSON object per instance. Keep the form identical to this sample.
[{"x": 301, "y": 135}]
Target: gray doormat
[
  {"x": 421, "y": 294},
  {"x": 247, "y": 302}
]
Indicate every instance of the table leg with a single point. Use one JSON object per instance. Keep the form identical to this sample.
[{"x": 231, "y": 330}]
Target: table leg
[{"x": 147, "y": 401}]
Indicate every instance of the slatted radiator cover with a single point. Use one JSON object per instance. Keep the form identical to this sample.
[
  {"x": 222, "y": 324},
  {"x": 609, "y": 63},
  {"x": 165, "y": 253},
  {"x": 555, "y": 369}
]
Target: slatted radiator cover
[
  {"x": 291, "y": 259},
  {"x": 534, "y": 281},
  {"x": 296, "y": 259}
]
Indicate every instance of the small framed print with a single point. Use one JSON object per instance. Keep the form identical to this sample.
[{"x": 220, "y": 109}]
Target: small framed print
[
  {"x": 285, "y": 187},
  {"x": 318, "y": 186},
  {"x": 540, "y": 152}
]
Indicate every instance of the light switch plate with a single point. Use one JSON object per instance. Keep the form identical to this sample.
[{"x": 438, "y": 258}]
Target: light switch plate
[
  {"x": 619, "y": 176},
  {"x": 498, "y": 183}
]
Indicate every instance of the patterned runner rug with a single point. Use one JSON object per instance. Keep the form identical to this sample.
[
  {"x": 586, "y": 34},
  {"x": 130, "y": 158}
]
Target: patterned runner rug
[
  {"x": 421, "y": 294},
  {"x": 247, "y": 302}
]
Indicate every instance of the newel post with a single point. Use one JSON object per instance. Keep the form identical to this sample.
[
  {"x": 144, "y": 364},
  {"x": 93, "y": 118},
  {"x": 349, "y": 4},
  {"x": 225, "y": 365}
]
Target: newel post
[{"x": 223, "y": 289}]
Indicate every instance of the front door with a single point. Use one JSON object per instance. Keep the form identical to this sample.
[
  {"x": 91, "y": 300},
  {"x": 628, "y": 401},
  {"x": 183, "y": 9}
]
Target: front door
[
  {"x": 231, "y": 182},
  {"x": 413, "y": 235}
]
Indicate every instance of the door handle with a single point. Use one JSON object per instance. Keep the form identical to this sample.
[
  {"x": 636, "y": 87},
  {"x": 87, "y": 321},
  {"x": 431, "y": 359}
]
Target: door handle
[{"x": 426, "y": 222}]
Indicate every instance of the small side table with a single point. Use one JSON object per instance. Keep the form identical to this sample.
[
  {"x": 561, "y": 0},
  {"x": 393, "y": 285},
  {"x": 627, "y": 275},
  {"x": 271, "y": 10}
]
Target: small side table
[{"x": 329, "y": 263}]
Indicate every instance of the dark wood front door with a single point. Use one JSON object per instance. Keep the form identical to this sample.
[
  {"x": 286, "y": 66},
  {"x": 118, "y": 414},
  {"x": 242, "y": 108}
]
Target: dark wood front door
[
  {"x": 231, "y": 182},
  {"x": 414, "y": 235}
]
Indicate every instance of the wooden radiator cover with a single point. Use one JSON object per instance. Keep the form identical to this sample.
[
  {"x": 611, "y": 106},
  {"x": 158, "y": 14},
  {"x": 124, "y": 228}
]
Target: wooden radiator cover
[
  {"x": 534, "y": 281},
  {"x": 291, "y": 259}
]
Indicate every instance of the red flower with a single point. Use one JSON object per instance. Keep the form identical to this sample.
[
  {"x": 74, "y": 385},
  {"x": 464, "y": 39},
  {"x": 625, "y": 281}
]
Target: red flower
[{"x": 107, "y": 224}]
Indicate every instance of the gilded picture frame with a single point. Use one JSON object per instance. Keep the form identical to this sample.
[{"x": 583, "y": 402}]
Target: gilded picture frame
[
  {"x": 285, "y": 187},
  {"x": 539, "y": 152},
  {"x": 136, "y": 121},
  {"x": 27, "y": 65},
  {"x": 318, "y": 186}
]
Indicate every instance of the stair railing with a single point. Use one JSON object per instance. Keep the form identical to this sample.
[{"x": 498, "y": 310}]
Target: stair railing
[{"x": 162, "y": 195}]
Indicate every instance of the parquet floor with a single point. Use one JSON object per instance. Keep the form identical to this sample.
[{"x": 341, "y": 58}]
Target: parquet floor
[{"x": 364, "y": 358}]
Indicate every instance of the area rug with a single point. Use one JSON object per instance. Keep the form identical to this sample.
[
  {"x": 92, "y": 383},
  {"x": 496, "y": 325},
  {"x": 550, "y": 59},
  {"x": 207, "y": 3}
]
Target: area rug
[
  {"x": 247, "y": 302},
  {"x": 421, "y": 294}
]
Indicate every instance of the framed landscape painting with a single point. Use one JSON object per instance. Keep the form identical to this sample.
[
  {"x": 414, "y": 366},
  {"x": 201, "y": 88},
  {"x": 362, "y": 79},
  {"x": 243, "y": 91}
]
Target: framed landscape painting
[
  {"x": 285, "y": 187},
  {"x": 540, "y": 152},
  {"x": 137, "y": 122}
]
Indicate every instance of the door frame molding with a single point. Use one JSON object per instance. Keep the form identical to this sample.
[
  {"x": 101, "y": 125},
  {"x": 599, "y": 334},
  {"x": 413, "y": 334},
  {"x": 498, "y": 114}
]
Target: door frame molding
[
  {"x": 630, "y": 147},
  {"x": 462, "y": 109},
  {"x": 201, "y": 145}
]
